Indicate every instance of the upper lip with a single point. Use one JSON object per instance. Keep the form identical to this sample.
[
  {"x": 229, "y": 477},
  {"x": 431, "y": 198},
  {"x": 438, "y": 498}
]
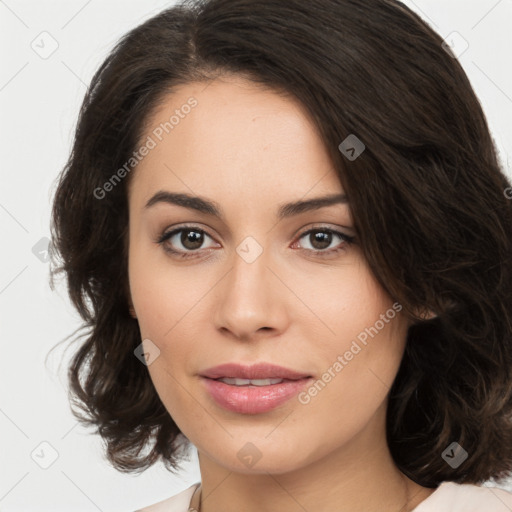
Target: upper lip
[{"x": 255, "y": 371}]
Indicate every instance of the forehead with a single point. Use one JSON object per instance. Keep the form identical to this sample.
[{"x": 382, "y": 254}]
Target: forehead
[{"x": 233, "y": 137}]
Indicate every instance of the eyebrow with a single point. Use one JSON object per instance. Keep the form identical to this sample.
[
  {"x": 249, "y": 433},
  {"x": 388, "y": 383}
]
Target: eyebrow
[{"x": 212, "y": 208}]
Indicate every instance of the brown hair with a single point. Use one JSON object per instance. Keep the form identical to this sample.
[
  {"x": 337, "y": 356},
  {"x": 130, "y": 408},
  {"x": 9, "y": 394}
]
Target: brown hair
[{"x": 427, "y": 197}]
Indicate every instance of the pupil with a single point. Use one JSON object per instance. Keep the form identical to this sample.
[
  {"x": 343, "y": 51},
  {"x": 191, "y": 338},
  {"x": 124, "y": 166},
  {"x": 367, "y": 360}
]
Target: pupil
[
  {"x": 321, "y": 239},
  {"x": 192, "y": 239}
]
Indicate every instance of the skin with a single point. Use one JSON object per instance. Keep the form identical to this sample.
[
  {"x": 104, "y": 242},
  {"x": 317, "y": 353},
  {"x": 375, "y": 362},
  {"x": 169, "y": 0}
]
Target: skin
[{"x": 251, "y": 150}]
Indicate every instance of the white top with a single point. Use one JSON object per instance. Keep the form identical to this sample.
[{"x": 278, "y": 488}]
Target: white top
[{"x": 448, "y": 497}]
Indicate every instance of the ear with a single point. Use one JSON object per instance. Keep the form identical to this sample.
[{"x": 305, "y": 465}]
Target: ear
[
  {"x": 425, "y": 314},
  {"x": 445, "y": 304},
  {"x": 128, "y": 295}
]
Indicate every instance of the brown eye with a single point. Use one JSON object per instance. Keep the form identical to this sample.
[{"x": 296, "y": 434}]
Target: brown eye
[
  {"x": 184, "y": 240},
  {"x": 320, "y": 239},
  {"x": 191, "y": 239},
  {"x": 324, "y": 242}
]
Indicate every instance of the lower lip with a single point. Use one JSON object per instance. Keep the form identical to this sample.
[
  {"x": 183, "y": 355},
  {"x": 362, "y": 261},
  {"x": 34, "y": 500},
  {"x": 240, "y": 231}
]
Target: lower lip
[{"x": 253, "y": 399}]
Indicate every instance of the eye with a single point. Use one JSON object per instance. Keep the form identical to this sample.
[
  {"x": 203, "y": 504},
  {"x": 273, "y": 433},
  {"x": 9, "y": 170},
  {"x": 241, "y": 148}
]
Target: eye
[
  {"x": 188, "y": 241},
  {"x": 320, "y": 239},
  {"x": 184, "y": 240}
]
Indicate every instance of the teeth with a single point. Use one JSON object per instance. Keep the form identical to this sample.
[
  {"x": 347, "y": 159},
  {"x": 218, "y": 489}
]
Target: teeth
[{"x": 250, "y": 382}]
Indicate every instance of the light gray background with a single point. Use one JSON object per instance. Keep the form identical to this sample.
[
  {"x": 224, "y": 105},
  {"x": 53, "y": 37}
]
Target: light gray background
[{"x": 39, "y": 103}]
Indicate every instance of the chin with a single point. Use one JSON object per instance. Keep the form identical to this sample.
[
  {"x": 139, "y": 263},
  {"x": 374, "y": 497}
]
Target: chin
[{"x": 262, "y": 456}]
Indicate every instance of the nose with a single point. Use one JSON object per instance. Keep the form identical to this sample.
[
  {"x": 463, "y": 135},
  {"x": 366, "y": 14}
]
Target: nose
[{"x": 250, "y": 300}]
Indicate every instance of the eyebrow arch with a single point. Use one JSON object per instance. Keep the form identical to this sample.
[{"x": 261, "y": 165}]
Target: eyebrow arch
[{"x": 211, "y": 208}]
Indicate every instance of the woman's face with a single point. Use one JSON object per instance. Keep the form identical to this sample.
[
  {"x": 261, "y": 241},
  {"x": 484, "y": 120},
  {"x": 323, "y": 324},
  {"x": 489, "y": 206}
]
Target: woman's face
[{"x": 251, "y": 284}]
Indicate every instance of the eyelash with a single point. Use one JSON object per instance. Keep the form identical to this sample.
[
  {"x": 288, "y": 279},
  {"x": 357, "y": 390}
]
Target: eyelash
[{"x": 346, "y": 240}]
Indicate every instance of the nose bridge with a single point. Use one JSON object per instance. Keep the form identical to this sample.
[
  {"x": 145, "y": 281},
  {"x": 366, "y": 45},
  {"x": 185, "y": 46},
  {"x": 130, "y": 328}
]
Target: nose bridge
[
  {"x": 249, "y": 273},
  {"x": 248, "y": 300}
]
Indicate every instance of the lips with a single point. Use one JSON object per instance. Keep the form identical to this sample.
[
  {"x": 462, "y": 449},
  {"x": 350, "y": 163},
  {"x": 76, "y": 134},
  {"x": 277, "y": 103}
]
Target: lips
[
  {"x": 252, "y": 389},
  {"x": 256, "y": 371}
]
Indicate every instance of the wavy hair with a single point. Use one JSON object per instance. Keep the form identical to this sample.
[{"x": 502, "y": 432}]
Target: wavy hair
[{"x": 427, "y": 196}]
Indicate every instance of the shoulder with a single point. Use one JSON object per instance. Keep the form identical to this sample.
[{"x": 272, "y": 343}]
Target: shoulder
[
  {"x": 177, "y": 503},
  {"x": 453, "y": 497}
]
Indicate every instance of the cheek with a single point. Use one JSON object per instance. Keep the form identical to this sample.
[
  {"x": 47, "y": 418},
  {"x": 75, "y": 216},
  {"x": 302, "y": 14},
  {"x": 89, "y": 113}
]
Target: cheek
[
  {"x": 354, "y": 385},
  {"x": 345, "y": 303},
  {"x": 162, "y": 294},
  {"x": 360, "y": 357},
  {"x": 167, "y": 300}
]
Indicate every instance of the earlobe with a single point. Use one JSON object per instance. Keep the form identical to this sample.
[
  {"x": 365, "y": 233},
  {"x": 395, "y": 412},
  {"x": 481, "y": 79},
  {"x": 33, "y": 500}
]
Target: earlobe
[
  {"x": 425, "y": 314},
  {"x": 132, "y": 312}
]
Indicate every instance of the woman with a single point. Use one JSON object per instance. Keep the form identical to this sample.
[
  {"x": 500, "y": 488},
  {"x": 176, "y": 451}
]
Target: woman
[{"x": 286, "y": 229}]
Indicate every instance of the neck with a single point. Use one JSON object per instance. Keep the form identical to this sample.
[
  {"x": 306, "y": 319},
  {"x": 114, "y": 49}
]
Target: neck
[{"x": 357, "y": 477}]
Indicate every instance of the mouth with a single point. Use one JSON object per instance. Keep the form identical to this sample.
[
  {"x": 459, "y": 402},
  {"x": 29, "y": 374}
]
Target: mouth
[
  {"x": 253, "y": 382},
  {"x": 252, "y": 390}
]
